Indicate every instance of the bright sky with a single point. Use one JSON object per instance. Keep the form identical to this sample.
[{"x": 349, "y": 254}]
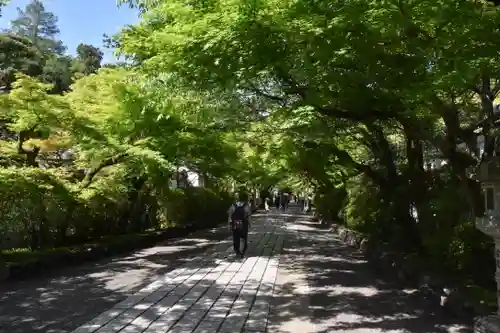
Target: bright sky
[{"x": 81, "y": 21}]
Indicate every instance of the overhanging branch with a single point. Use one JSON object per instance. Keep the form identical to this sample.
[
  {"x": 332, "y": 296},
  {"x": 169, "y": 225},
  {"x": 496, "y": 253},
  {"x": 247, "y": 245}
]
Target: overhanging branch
[{"x": 104, "y": 163}]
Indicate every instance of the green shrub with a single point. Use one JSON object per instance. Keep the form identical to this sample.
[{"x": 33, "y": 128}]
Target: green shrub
[
  {"x": 40, "y": 209},
  {"x": 196, "y": 205},
  {"x": 362, "y": 210},
  {"x": 330, "y": 201}
]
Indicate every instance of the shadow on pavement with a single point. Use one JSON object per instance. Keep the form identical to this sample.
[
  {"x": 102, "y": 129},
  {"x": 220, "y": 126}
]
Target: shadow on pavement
[
  {"x": 321, "y": 284},
  {"x": 66, "y": 298},
  {"x": 346, "y": 296}
]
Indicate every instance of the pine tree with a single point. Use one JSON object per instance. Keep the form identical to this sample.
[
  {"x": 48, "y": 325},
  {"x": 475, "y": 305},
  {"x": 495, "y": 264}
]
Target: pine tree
[{"x": 39, "y": 26}]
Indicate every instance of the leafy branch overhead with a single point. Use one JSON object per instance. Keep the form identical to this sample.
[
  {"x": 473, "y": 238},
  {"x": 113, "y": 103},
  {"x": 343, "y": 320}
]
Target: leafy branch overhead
[{"x": 380, "y": 109}]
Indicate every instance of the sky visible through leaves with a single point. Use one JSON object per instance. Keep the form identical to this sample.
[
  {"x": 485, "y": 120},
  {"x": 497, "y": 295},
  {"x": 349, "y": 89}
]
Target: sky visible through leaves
[{"x": 81, "y": 21}]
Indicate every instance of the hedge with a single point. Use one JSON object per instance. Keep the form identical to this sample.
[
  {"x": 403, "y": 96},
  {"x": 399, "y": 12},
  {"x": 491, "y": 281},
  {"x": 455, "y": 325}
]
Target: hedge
[{"x": 45, "y": 215}]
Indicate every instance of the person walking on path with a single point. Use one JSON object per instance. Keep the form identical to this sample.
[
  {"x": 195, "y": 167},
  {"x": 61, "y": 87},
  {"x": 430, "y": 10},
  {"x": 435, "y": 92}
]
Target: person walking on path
[{"x": 239, "y": 222}]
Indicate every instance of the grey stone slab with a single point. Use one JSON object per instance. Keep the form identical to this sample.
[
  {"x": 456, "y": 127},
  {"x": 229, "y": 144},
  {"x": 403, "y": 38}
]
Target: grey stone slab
[
  {"x": 99, "y": 321},
  {"x": 143, "y": 305},
  {"x": 259, "y": 309},
  {"x": 87, "y": 328},
  {"x": 196, "y": 312},
  {"x": 143, "y": 321},
  {"x": 168, "y": 301},
  {"x": 232, "y": 325},
  {"x": 156, "y": 296},
  {"x": 120, "y": 322},
  {"x": 197, "y": 291},
  {"x": 186, "y": 324},
  {"x": 217, "y": 313},
  {"x": 214, "y": 291},
  {"x": 233, "y": 288},
  {"x": 129, "y": 301},
  {"x": 208, "y": 326},
  {"x": 180, "y": 290},
  {"x": 252, "y": 325},
  {"x": 224, "y": 301},
  {"x": 161, "y": 325},
  {"x": 257, "y": 318},
  {"x": 204, "y": 302}
]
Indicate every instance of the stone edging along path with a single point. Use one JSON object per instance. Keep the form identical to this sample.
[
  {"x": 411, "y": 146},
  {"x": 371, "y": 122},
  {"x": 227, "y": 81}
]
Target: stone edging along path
[{"x": 438, "y": 293}]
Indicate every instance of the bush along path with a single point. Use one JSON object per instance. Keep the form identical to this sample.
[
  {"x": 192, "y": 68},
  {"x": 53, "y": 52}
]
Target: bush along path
[{"x": 26, "y": 262}]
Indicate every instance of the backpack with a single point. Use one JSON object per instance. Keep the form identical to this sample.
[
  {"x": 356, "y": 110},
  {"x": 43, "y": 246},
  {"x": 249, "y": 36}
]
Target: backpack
[{"x": 238, "y": 217}]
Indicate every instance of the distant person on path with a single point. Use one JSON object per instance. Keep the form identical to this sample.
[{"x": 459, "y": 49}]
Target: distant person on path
[
  {"x": 302, "y": 201},
  {"x": 266, "y": 204},
  {"x": 239, "y": 221},
  {"x": 284, "y": 201}
]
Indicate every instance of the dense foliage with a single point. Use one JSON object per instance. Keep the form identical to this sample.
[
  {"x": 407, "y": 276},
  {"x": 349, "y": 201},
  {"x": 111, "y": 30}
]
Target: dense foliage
[
  {"x": 88, "y": 152},
  {"x": 374, "y": 106}
]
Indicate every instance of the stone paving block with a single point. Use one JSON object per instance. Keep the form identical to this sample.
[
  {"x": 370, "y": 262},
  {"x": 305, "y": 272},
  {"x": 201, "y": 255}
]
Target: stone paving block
[
  {"x": 252, "y": 283},
  {"x": 190, "y": 298},
  {"x": 252, "y": 325},
  {"x": 257, "y": 318},
  {"x": 204, "y": 302},
  {"x": 161, "y": 325},
  {"x": 246, "y": 296},
  {"x": 183, "y": 277},
  {"x": 197, "y": 291},
  {"x": 165, "y": 321},
  {"x": 187, "y": 301},
  {"x": 180, "y": 290},
  {"x": 214, "y": 291},
  {"x": 143, "y": 305},
  {"x": 234, "y": 267},
  {"x": 151, "y": 287},
  {"x": 142, "y": 322},
  {"x": 167, "y": 302},
  {"x": 224, "y": 300},
  {"x": 121, "y": 321},
  {"x": 208, "y": 326},
  {"x": 129, "y": 302},
  {"x": 240, "y": 310},
  {"x": 156, "y": 296},
  {"x": 99, "y": 321},
  {"x": 265, "y": 290},
  {"x": 232, "y": 325},
  {"x": 196, "y": 312},
  {"x": 186, "y": 324},
  {"x": 233, "y": 287},
  {"x": 217, "y": 313}
]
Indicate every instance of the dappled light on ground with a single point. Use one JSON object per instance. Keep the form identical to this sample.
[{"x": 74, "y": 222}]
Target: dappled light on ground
[{"x": 295, "y": 279}]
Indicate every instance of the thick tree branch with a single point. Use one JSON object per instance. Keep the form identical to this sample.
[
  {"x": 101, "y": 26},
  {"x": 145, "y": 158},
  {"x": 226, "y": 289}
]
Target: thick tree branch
[
  {"x": 91, "y": 173},
  {"x": 332, "y": 110}
]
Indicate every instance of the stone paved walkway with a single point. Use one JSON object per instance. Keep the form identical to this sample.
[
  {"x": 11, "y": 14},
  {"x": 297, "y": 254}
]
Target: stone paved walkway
[
  {"x": 212, "y": 293},
  {"x": 296, "y": 278}
]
